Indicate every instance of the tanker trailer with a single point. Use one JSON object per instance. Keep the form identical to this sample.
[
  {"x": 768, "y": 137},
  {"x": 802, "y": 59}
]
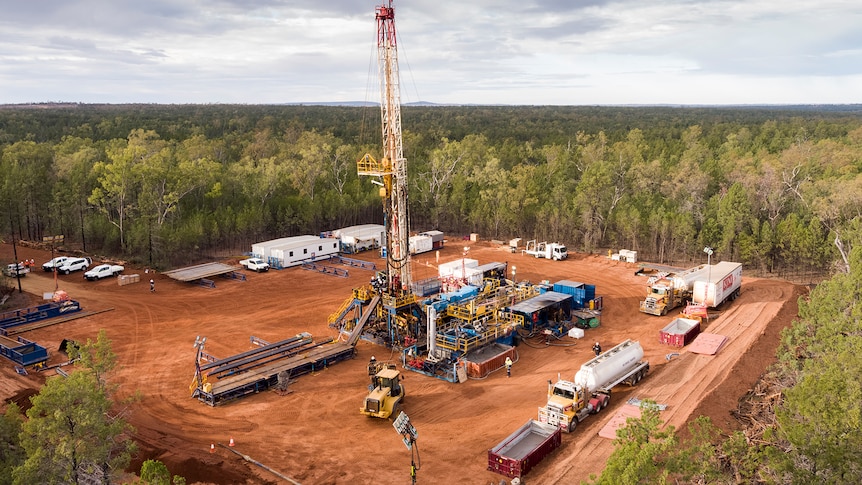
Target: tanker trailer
[
  {"x": 570, "y": 402},
  {"x": 722, "y": 283},
  {"x": 666, "y": 293}
]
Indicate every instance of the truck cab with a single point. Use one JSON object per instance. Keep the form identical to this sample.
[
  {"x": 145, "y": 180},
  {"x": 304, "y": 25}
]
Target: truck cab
[
  {"x": 567, "y": 405},
  {"x": 659, "y": 299},
  {"x": 557, "y": 252}
]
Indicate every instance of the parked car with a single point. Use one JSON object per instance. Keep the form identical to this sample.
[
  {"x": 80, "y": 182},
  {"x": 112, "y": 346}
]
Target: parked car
[
  {"x": 16, "y": 269},
  {"x": 103, "y": 271},
  {"x": 255, "y": 264},
  {"x": 74, "y": 264},
  {"x": 54, "y": 263}
]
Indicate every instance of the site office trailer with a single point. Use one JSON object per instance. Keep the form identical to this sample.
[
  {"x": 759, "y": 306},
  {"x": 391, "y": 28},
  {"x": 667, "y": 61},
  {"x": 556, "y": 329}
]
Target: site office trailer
[{"x": 308, "y": 248}]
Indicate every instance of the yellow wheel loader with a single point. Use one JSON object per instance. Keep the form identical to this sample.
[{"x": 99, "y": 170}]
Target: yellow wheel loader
[{"x": 385, "y": 392}]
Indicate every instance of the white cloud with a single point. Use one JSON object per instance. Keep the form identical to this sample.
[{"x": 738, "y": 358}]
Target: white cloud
[{"x": 533, "y": 52}]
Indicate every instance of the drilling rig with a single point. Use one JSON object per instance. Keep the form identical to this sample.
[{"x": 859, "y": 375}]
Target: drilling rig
[{"x": 390, "y": 174}]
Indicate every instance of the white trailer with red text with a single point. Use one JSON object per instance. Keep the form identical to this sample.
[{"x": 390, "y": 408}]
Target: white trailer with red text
[{"x": 722, "y": 283}]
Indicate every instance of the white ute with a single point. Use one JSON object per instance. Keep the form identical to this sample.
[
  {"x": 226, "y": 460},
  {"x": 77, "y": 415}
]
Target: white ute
[
  {"x": 74, "y": 264},
  {"x": 54, "y": 263},
  {"x": 103, "y": 271},
  {"x": 255, "y": 264}
]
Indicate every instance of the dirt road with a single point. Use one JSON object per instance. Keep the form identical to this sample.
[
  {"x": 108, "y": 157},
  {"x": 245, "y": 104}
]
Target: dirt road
[{"x": 315, "y": 434}]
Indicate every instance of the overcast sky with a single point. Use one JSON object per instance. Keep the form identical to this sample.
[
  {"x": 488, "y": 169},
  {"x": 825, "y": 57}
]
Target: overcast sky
[{"x": 536, "y": 52}]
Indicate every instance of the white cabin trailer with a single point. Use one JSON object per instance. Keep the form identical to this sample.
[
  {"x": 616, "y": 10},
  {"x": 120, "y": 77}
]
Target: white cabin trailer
[
  {"x": 262, "y": 249},
  {"x": 355, "y": 239},
  {"x": 301, "y": 249}
]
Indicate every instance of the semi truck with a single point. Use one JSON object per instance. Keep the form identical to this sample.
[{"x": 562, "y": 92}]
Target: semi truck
[
  {"x": 570, "y": 402},
  {"x": 722, "y": 283},
  {"x": 667, "y": 292},
  {"x": 546, "y": 250}
]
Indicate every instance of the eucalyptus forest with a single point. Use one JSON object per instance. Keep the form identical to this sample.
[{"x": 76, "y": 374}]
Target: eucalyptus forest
[{"x": 776, "y": 188}]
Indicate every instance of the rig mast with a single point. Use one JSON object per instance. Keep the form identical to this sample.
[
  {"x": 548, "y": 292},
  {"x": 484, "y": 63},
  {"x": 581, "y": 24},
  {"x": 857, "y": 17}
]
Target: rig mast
[{"x": 391, "y": 170}]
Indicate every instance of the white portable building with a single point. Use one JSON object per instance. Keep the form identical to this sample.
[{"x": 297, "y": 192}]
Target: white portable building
[
  {"x": 262, "y": 249},
  {"x": 301, "y": 249}
]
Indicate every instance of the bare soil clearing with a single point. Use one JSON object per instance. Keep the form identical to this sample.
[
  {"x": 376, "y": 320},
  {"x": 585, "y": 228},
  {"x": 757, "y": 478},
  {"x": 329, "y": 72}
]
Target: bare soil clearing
[{"x": 315, "y": 434}]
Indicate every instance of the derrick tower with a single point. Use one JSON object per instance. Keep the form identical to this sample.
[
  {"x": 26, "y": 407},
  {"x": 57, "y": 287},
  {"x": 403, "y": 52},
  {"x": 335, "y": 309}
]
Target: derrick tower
[{"x": 391, "y": 170}]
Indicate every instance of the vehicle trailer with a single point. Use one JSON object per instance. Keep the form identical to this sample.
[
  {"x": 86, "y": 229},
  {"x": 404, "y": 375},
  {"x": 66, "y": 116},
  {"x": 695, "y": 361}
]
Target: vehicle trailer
[
  {"x": 724, "y": 281},
  {"x": 522, "y": 450},
  {"x": 570, "y": 402}
]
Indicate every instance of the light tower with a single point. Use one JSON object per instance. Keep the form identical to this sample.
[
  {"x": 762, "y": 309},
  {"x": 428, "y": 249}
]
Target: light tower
[
  {"x": 391, "y": 170},
  {"x": 708, "y": 250}
]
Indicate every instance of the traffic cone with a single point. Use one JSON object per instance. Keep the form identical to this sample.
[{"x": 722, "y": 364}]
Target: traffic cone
[
  {"x": 212, "y": 447},
  {"x": 231, "y": 442}
]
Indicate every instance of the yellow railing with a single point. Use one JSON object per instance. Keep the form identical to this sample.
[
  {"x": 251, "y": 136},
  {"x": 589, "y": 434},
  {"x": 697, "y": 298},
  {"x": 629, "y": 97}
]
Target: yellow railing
[
  {"x": 341, "y": 310},
  {"x": 367, "y": 165}
]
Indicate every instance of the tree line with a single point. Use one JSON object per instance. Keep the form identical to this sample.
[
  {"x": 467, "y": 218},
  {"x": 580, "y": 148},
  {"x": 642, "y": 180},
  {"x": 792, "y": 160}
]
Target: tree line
[{"x": 776, "y": 188}]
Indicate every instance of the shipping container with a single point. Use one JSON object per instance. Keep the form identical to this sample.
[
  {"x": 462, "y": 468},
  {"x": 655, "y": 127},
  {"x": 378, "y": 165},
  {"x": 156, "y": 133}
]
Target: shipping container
[{"x": 581, "y": 293}]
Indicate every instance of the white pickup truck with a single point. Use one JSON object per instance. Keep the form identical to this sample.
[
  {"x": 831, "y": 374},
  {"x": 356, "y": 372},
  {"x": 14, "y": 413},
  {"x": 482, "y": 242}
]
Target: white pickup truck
[
  {"x": 74, "y": 264},
  {"x": 103, "y": 271},
  {"x": 255, "y": 264},
  {"x": 55, "y": 263},
  {"x": 16, "y": 269}
]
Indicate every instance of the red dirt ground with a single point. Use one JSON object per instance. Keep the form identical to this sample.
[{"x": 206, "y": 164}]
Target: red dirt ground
[{"x": 315, "y": 434}]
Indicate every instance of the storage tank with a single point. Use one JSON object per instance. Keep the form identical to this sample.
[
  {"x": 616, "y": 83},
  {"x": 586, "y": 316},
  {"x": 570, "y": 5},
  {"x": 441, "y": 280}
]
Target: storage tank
[
  {"x": 684, "y": 281},
  {"x": 610, "y": 367}
]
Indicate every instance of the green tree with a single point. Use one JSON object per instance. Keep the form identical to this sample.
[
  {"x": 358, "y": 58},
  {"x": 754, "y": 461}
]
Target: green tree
[
  {"x": 154, "y": 472},
  {"x": 97, "y": 357},
  {"x": 641, "y": 450},
  {"x": 11, "y": 452},
  {"x": 70, "y": 435}
]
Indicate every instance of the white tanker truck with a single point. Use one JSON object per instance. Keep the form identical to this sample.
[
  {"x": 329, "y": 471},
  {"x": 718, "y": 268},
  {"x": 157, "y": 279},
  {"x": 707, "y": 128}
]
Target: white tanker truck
[
  {"x": 571, "y": 402},
  {"x": 666, "y": 293}
]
